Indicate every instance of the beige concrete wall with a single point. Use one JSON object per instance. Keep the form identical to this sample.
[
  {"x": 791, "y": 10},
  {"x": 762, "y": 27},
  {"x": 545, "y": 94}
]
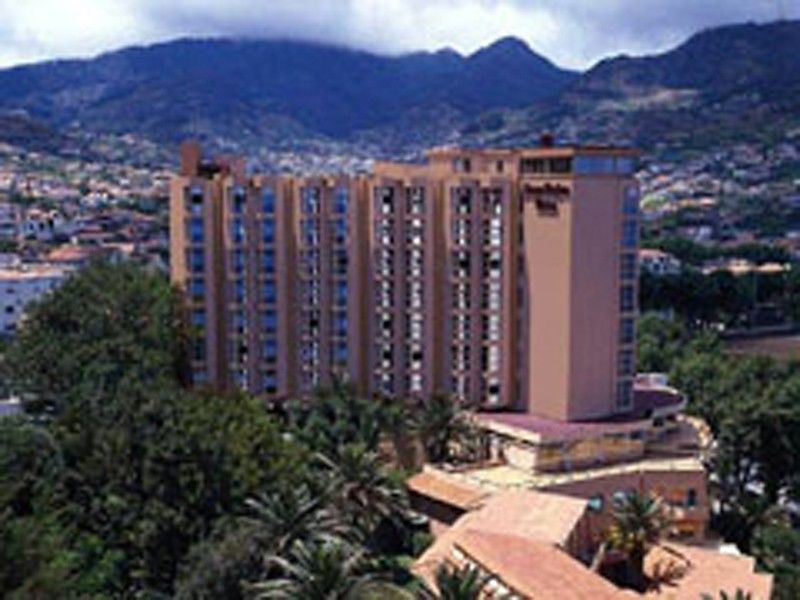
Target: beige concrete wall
[
  {"x": 594, "y": 297},
  {"x": 548, "y": 248}
]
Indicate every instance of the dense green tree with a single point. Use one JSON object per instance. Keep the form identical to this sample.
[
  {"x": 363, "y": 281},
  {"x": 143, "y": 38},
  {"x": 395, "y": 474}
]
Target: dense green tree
[
  {"x": 338, "y": 416},
  {"x": 363, "y": 491},
  {"x": 105, "y": 326},
  {"x": 777, "y": 548},
  {"x": 445, "y": 430}
]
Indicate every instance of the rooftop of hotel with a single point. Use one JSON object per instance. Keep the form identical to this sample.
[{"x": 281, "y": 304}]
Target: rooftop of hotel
[
  {"x": 490, "y": 478},
  {"x": 649, "y": 402}
]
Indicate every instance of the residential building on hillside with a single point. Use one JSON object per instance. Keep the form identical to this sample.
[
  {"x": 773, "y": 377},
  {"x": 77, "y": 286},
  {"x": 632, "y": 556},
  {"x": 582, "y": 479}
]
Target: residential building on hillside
[
  {"x": 19, "y": 286},
  {"x": 658, "y": 262},
  {"x": 505, "y": 277},
  {"x": 10, "y": 218}
]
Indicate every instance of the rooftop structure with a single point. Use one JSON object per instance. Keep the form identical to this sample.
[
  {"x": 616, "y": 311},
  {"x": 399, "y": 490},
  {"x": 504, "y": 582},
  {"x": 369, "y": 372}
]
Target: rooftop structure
[{"x": 539, "y": 545}]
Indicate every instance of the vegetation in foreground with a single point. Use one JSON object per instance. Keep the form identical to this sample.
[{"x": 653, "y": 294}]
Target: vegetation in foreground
[{"x": 121, "y": 482}]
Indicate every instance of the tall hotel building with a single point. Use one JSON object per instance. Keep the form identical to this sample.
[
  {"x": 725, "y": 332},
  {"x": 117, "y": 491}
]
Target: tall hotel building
[{"x": 505, "y": 277}]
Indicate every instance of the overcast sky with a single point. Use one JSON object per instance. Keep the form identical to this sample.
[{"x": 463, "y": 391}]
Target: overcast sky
[{"x": 573, "y": 33}]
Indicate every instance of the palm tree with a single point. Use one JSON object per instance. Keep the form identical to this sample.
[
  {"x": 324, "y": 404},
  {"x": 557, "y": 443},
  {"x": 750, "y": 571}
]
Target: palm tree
[
  {"x": 362, "y": 489},
  {"x": 738, "y": 595},
  {"x": 639, "y": 523},
  {"x": 457, "y": 583},
  {"x": 292, "y": 514},
  {"x": 329, "y": 570},
  {"x": 443, "y": 424}
]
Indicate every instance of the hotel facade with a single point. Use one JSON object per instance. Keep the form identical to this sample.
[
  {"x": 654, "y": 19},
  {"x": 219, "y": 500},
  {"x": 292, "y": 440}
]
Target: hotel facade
[{"x": 507, "y": 278}]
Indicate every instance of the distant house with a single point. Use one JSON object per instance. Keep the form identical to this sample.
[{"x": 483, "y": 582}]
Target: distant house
[
  {"x": 658, "y": 262},
  {"x": 9, "y": 221},
  {"x": 78, "y": 257},
  {"x": 21, "y": 285},
  {"x": 43, "y": 225},
  {"x": 739, "y": 266}
]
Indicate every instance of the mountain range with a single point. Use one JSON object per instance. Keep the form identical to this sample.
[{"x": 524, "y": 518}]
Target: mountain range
[{"x": 740, "y": 79}]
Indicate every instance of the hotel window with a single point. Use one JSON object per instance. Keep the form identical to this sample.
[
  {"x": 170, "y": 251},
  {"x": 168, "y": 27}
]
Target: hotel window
[
  {"x": 627, "y": 298},
  {"x": 624, "y": 394},
  {"x": 237, "y": 231},
  {"x": 340, "y": 294},
  {"x": 268, "y": 231},
  {"x": 239, "y": 199},
  {"x": 270, "y": 382},
  {"x": 625, "y": 363},
  {"x": 340, "y": 325},
  {"x": 197, "y": 260},
  {"x": 461, "y": 232},
  {"x": 462, "y": 165},
  {"x": 385, "y": 233},
  {"x": 627, "y": 266},
  {"x": 310, "y": 232},
  {"x": 199, "y": 350},
  {"x": 339, "y": 228},
  {"x": 238, "y": 261},
  {"x": 199, "y": 377},
  {"x": 627, "y": 329},
  {"x": 340, "y": 199},
  {"x": 461, "y": 199},
  {"x": 594, "y": 165},
  {"x": 630, "y": 204},
  {"x": 197, "y": 288},
  {"x": 415, "y": 201},
  {"x": 268, "y": 201},
  {"x": 461, "y": 264},
  {"x": 310, "y": 200},
  {"x": 238, "y": 290},
  {"x": 269, "y": 292},
  {"x": 560, "y": 165},
  {"x": 270, "y": 350},
  {"x": 339, "y": 354},
  {"x": 691, "y": 498},
  {"x": 625, "y": 165},
  {"x": 340, "y": 262},
  {"x": 630, "y": 234},
  {"x": 196, "y": 201},
  {"x": 269, "y": 321},
  {"x": 196, "y": 230},
  {"x": 199, "y": 318},
  {"x": 268, "y": 261},
  {"x": 385, "y": 200},
  {"x": 596, "y": 503}
]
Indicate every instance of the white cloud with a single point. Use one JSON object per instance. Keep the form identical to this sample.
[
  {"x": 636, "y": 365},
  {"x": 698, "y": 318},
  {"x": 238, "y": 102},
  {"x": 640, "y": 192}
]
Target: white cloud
[{"x": 572, "y": 32}]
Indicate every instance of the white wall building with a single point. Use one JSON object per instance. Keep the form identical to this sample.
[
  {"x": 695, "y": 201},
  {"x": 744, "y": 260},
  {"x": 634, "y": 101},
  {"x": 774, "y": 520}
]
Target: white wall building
[
  {"x": 19, "y": 287},
  {"x": 657, "y": 262},
  {"x": 10, "y": 217}
]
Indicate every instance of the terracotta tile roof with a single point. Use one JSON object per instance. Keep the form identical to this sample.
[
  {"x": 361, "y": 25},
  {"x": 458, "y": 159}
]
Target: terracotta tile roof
[
  {"x": 534, "y": 516},
  {"x": 447, "y": 491},
  {"x": 535, "y": 569},
  {"x": 688, "y": 572},
  {"x": 541, "y": 516}
]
